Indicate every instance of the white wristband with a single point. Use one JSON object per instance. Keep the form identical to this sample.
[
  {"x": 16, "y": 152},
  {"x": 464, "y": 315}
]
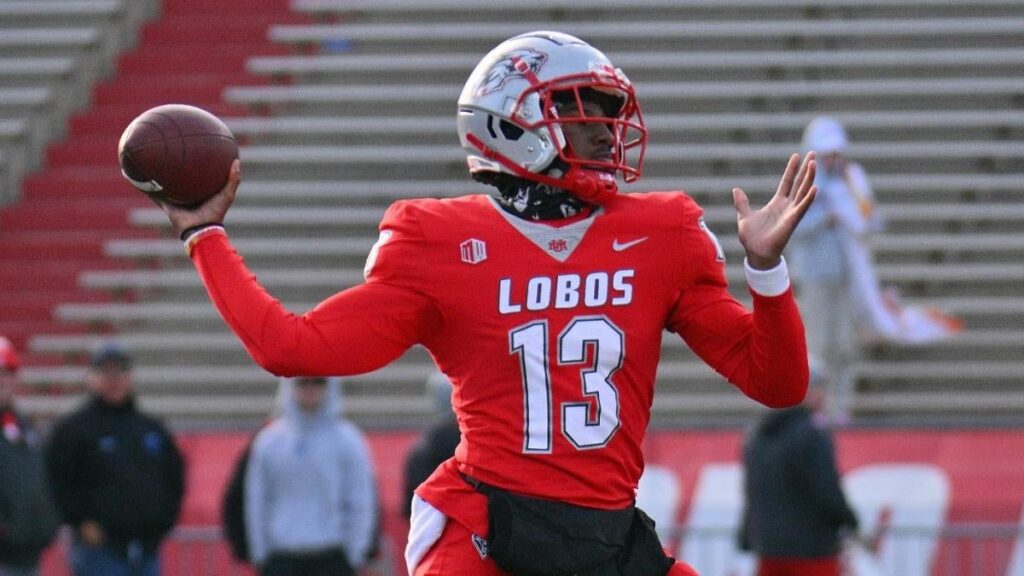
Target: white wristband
[
  {"x": 770, "y": 282},
  {"x": 194, "y": 237}
]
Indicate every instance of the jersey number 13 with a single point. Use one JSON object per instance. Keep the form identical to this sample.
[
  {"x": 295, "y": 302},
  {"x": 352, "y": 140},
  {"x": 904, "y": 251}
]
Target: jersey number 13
[{"x": 584, "y": 431}]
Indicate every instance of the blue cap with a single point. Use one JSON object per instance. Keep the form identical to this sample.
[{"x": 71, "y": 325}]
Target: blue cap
[{"x": 108, "y": 354}]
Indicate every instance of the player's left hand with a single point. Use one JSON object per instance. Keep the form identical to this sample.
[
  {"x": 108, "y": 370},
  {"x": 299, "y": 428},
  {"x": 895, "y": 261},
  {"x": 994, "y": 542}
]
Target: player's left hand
[{"x": 764, "y": 233}]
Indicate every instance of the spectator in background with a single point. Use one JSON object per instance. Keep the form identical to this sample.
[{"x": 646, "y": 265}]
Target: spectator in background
[
  {"x": 795, "y": 514},
  {"x": 437, "y": 443},
  {"x": 310, "y": 494},
  {"x": 28, "y": 515},
  {"x": 838, "y": 289},
  {"x": 117, "y": 475}
]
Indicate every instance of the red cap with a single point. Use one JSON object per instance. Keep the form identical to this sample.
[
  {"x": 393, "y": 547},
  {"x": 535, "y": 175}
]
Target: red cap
[{"x": 8, "y": 357}]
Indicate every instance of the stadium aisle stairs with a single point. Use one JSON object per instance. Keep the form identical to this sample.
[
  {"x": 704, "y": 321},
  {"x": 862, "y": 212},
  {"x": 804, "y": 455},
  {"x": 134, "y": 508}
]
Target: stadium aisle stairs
[
  {"x": 79, "y": 200},
  {"x": 361, "y": 116}
]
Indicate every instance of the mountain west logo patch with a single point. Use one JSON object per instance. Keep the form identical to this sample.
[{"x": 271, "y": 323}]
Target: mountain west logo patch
[
  {"x": 473, "y": 251},
  {"x": 505, "y": 69}
]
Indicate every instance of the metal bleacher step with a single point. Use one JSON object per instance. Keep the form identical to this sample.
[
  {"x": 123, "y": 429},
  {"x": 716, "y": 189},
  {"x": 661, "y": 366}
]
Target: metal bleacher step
[
  {"x": 664, "y": 96},
  {"x": 190, "y": 407},
  {"x": 244, "y": 375},
  {"x": 396, "y": 8},
  {"x": 323, "y": 281},
  {"x": 43, "y": 41},
  {"x": 682, "y": 34},
  {"x": 198, "y": 342},
  {"x": 437, "y": 162},
  {"x": 199, "y": 313},
  {"x": 946, "y": 403},
  {"x": 993, "y": 125},
  {"x": 354, "y": 108},
  {"x": 650, "y": 66},
  {"x": 891, "y": 188},
  {"x": 722, "y": 217},
  {"x": 317, "y": 250},
  {"x": 190, "y": 315}
]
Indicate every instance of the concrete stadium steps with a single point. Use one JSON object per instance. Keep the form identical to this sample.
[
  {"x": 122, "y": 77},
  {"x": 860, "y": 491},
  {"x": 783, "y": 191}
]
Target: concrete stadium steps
[
  {"x": 40, "y": 278},
  {"x": 165, "y": 346},
  {"x": 977, "y": 222},
  {"x": 558, "y": 10},
  {"x": 347, "y": 115},
  {"x": 80, "y": 200},
  {"x": 147, "y": 89},
  {"x": 905, "y": 187},
  {"x": 983, "y": 125},
  {"x": 399, "y": 387},
  {"x": 1000, "y": 312},
  {"x": 923, "y": 281},
  {"x": 117, "y": 18},
  {"x": 648, "y": 66},
  {"x": 663, "y": 97},
  {"x": 930, "y": 238},
  {"x": 204, "y": 59},
  {"x": 80, "y": 182},
  {"x": 26, "y": 304},
  {"x": 185, "y": 27},
  {"x": 659, "y": 31},
  {"x": 260, "y": 247},
  {"x": 663, "y": 159},
  {"x": 54, "y": 53},
  {"x": 20, "y": 331},
  {"x": 316, "y": 247},
  {"x": 72, "y": 214},
  {"x": 913, "y": 79},
  {"x": 112, "y": 118}
]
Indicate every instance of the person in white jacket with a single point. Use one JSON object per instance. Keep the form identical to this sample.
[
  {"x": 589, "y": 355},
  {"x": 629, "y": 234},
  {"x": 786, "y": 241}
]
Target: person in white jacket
[
  {"x": 839, "y": 292},
  {"x": 310, "y": 493}
]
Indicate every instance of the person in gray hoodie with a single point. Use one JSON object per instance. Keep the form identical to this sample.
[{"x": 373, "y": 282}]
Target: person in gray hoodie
[{"x": 310, "y": 493}]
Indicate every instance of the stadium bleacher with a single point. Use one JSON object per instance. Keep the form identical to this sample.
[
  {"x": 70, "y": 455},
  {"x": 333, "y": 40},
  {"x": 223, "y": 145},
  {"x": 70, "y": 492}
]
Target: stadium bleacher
[{"x": 343, "y": 106}]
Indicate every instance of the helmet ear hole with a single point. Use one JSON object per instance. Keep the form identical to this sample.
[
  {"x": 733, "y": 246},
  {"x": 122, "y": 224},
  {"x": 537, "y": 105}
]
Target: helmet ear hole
[{"x": 510, "y": 130}]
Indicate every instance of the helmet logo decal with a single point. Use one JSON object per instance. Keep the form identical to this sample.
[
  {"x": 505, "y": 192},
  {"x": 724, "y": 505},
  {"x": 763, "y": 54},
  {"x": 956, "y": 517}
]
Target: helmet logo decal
[{"x": 518, "y": 62}]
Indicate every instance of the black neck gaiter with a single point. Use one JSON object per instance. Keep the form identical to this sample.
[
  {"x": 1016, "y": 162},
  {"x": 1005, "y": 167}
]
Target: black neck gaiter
[{"x": 535, "y": 201}]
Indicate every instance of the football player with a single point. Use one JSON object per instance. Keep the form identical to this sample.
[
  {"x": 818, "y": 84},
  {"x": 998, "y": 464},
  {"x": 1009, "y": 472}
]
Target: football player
[{"x": 544, "y": 304}]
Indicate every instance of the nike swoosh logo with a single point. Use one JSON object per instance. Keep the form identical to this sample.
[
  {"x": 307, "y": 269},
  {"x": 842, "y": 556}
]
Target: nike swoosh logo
[{"x": 619, "y": 247}]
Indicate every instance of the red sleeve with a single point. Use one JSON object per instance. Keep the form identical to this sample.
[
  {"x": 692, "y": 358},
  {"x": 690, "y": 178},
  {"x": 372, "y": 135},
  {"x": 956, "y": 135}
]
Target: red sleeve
[
  {"x": 764, "y": 352},
  {"x": 352, "y": 332}
]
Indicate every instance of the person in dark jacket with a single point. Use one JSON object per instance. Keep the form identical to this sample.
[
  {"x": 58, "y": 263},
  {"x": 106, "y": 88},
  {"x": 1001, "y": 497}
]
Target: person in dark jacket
[
  {"x": 28, "y": 515},
  {"x": 795, "y": 515},
  {"x": 437, "y": 442},
  {"x": 117, "y": 475}
]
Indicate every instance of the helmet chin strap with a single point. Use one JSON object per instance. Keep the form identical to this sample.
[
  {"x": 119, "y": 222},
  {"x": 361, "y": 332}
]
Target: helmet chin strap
[{"x": 590, "y": 186}]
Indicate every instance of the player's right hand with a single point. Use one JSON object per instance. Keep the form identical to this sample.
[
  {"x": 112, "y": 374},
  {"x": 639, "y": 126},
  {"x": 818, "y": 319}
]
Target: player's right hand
[{"x": 211, "y": 211}]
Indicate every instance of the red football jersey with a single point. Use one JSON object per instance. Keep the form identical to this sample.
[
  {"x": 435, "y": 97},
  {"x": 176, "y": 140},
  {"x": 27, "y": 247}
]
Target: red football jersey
[{"x": 551, "y": 335}]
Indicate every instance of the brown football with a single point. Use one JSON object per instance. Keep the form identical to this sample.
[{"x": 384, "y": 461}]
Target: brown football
[{"x": 177, "y": 153}]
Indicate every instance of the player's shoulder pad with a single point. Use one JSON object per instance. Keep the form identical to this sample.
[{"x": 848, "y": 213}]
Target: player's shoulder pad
[
  {"x": 421, "y": 216},
  {"x": 401, "y": 215},
  {"x": 673, "y": 207},
  {"x": 680, "y": 215}
]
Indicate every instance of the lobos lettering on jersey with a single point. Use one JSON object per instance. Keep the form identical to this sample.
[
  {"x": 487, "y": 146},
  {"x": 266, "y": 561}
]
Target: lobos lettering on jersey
[{"x": 566, "y": 291}]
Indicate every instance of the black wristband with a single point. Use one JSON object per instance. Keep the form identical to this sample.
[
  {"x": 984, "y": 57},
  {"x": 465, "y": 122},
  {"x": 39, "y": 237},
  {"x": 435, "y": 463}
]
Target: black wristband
[{"x": 193, "y": 229}]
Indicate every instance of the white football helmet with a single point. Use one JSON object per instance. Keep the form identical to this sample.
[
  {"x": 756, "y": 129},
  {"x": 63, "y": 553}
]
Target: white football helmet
[{"x": 508, "y": 121}]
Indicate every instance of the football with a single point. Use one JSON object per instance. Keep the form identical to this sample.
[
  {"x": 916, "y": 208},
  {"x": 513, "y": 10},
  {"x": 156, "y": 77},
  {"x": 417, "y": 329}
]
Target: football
[{"x": 177, "y": 154}]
